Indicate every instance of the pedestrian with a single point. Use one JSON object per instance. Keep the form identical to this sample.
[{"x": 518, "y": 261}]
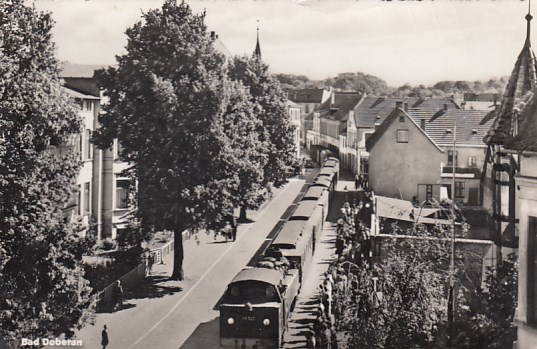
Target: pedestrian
[
  {"x": 104, "y": 338},
  {"x": 150, "y": 262},
  {"x": 118, "y": 295},
  {"x": 356, "y": 182}
]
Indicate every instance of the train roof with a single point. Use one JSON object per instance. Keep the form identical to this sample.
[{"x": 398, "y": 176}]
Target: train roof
[
  {"x": 304, "y": 210},
  {"x": 330, "y": 163},
  {"x": 269, "y": 276},
  {"x": 322, "y": 181},
  {"x": 314, "y": 193},
  {"x": 288, "y": 235},
  {"x": 326, "y": 171}
]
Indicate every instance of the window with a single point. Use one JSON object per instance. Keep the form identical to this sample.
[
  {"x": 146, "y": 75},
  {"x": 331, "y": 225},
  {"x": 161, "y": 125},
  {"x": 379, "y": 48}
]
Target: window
[
  {"x": 307, "y": 108},
  {"x": 401, "y": 118},
  {"x": 122, "y": 193},
  {"x": 87, "y": 144},
  {"x": 428, "y": 192},
  {"x": 117, "y": 150},
  {"x": 450, "y": 158},
  {"x": 88, "y": 105},
  {"x": 472, "y": 162},
  {"x": 402, "y": 136},
  {"x": 87, "y": 198},
  {"x": 78, "y": 199},
  {"x": 459, "y": 189}
]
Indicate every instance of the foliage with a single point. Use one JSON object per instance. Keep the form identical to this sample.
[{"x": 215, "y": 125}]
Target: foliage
[
  {"x": 277, "y": 130},
  {"x": 411, "y": 307},
  {"x": 361, "y": 82},
  {"x": 43, "y": 290},
  {"x": 290, "y": 81},
  {"x": 176, "y": 114},
  {"x": 485, "y": 319}
]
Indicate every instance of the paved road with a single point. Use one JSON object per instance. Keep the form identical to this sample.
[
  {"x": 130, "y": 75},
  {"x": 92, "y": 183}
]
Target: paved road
[{"x": 171, "y": 314}]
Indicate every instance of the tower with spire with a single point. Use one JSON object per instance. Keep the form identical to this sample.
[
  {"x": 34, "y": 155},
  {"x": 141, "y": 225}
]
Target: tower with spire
[
  {"x": 499, "y": 192},
  {"x": 257, "y": 51}
]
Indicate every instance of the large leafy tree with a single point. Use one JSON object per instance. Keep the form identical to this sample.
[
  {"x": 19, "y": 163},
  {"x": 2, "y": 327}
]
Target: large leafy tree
[
  {"x": 43, "y": 291},
  {"x": 183, "y": 126},
  {"x": 410, "y": 307},
  {"x": 276, "y": 129}
]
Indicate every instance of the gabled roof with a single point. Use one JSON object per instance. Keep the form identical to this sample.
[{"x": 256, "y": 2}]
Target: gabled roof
[
  {"x": 375, "y": 109},
  {"x": 470, "y": 129},
  {"x": 344, "y": 102},
  {"x": 522, "y": 81},
  {"x": 526, "y": 139},
  {"x": 307, "y": 95},
  {"x": 394, "y": 115}
]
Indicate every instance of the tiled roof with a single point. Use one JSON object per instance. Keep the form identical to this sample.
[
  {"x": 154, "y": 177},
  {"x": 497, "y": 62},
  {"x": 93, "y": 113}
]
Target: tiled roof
[
  {"x": 522, "y": 81},
  {"x": 375, "y": 109},
  {"x": 526, "y": 139},
  {"x": 220, "y": 47},
  {"x": 308, "y": 95},
  {"x": 343, "y": 103},
  {"x": 470, "y": 130}
]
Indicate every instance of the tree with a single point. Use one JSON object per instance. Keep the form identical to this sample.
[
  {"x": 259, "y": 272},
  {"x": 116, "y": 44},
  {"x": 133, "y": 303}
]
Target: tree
[
  {"x": 276, "y": 129},
  {"x": 43, "y": 290},
  {"x": 176, "y": 114},
  {"x": 411, "y": 308},
  {"x": 486, "y": 320}
]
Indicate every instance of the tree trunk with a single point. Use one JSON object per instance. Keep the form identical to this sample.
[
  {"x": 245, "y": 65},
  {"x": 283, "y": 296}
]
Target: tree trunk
[
  {"x": 178, "y": 255},
  {"x": 242, "y": 216}
]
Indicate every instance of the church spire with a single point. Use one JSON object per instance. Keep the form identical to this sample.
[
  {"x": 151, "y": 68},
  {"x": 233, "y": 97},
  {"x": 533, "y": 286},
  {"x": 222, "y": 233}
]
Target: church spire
[
  {"x": 529, "y": 17},
  {"x": 257, "y": 51}
]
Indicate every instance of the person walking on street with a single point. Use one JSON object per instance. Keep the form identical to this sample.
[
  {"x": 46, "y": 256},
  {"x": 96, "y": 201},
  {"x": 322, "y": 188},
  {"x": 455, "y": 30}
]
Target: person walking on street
[
  {"x": 104, "y": 338},
  {"x": 118, "y": 295}
]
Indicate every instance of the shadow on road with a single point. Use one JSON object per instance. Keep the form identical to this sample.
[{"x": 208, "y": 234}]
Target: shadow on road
[
  {"x": 206, "y": 335},
  {"x": 153, "y": 287}
]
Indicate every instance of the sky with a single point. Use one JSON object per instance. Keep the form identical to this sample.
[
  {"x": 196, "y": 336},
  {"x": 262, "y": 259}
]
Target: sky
[{"x": 416, "y": 42}]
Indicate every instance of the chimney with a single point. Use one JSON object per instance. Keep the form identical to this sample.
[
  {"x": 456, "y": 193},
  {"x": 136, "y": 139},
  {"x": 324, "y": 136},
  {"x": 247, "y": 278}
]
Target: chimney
[
  {"x": 422, "y": 124},
  {"x": 332, "y": 99},
  {"x": 377, "y": 122},
  {"x": 213, "y": 35},
  {"x": 398, "y": 104},
  {"x": 445, "y": 108},
  {"x": 463, "y": 105},
  {"x": 405, "y": 106}
]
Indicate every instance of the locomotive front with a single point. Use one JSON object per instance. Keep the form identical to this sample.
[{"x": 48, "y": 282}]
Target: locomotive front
[{"x": 251, "y": 314}]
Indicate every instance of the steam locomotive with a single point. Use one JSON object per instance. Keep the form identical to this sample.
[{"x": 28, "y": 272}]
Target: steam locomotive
[{"x": 257, "y": 303}]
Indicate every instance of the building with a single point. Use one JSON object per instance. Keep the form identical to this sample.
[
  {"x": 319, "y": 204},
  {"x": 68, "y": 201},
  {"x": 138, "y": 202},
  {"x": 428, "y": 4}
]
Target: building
[
  {"x": 294, "y": 114},
  {"x": 330, "y": 120},
  {"x": 499, "y": 190},
  {"x": 523, "y": 147},
  {"x": 417, "y": 146},
  {"x": 308, "y": 99},
  {"x": 108, "y": 189},
  {"x": 370, "y": 113},
  {"x": 83, "y": 206}
]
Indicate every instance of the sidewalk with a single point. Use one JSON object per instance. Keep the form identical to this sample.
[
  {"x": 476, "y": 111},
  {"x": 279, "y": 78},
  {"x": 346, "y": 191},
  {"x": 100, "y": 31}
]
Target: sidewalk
[{"x": 305, "y": 311}]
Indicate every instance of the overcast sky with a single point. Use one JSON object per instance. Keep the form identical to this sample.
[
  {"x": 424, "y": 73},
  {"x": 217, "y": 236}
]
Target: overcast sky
[{"x": 400, "y": 42}]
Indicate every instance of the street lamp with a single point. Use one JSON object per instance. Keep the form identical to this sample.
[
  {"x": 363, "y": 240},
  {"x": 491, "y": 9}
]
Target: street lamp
[{"x": 451, "y": 296}]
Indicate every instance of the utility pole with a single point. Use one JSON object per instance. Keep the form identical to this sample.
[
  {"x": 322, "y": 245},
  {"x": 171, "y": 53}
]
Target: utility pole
[{"x": 451, "y": 295}]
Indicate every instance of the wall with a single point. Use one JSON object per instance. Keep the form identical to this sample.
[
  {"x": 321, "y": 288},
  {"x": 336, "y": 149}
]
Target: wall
[
  {"x": 396, "y": 169},
  {"x": 526, "y": 206}
]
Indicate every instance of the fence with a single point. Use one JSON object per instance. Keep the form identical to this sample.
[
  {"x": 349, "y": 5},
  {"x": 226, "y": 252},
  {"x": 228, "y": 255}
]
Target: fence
[{"x": 133, "y": 277}]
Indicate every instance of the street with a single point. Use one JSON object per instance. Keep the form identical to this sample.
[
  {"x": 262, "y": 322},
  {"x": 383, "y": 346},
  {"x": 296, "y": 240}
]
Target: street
[{"x": 170, "y": 314}]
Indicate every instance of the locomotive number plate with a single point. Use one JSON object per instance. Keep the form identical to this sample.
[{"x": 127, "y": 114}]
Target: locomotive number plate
[{"x": 248, "y": 318}]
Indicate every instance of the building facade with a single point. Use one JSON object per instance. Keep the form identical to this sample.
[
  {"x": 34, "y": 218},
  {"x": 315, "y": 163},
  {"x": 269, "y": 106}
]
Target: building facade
[
  {"x": 308, "y": 99},
  {"x": 424, "y": 147}
]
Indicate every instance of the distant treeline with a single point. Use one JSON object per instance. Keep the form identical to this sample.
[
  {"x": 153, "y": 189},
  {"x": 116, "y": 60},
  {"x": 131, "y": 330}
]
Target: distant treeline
[{"x": 375, "y": 86}]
